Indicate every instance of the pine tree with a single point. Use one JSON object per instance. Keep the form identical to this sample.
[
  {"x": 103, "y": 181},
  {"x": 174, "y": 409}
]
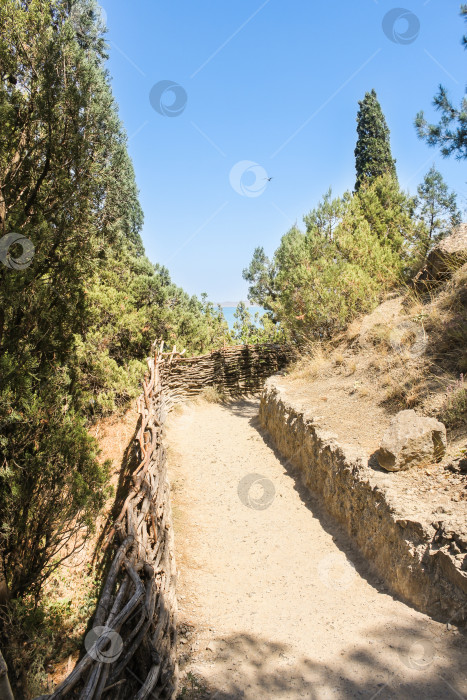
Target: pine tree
[
  {"x": 436, "y": 207},
  {"x": 243, "y": 327},
  {"x": 373, "y": 151},
  {"x": 450, "y": 134},
  {"x": 260, "y": 276}
]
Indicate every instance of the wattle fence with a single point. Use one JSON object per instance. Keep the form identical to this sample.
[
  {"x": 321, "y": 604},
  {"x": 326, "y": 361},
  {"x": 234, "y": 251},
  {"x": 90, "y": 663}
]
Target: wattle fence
[
  {"x": 131, "y": 648},
  {"x": 235, "y": 370}
]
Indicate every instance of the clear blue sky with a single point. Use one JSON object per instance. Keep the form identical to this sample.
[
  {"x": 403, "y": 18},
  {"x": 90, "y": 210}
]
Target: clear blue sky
[{"x": 274, "y": 82}]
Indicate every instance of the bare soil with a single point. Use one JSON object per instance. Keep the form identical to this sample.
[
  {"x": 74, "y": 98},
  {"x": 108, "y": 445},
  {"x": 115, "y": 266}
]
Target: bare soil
[
  {"x": 359, "y": 422},
  {"x": 274, "y": 599}
]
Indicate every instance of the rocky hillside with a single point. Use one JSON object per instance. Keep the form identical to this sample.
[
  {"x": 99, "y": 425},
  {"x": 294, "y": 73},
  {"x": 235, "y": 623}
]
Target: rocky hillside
[
  {"x": 376, "y": 421},
  {"x": 410, "y": 353}
]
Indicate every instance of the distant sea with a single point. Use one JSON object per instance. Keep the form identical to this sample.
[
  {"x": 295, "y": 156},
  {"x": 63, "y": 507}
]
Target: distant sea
[{"x": 229, "y": 311}]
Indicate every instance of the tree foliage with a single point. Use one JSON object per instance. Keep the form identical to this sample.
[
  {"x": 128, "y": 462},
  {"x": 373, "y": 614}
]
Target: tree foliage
[
  {"x": 450, "y": 133},
  {"x": 77, "y": 322},
  {"x": 256, "y": 330},
  {"x": 436, "y": 208},
  {"x": 353, "y": 249},
  {"x": 260, "y": 275},
  {"x": 57, "y": 133},
  {"x": 373, "y": 156}
]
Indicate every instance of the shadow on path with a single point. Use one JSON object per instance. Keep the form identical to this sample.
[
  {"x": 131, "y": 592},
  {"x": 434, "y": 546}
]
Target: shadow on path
[{"x": 396, "y": 664}]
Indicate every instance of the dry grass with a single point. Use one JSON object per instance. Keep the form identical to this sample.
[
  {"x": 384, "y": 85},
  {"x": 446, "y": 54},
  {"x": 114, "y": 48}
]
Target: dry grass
[
  {"x": 386, "y": 381},
  {"x": 351, "y": 367},
  {"x": 339, "y": 358},
  {"x": 445, "y": 320},
  {"x": 405, "y": 359},
  {"x": 380, "y": 336},
  {"x": 311, "y": 366},
  {"x": 212, "y": 394},
  {"x": 413, "y": 396},
  {"x": 353, "y": 331},
  {"x": 454, "y": 410}
]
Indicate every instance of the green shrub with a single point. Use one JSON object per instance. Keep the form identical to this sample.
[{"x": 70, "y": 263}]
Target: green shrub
[{"x": 354, "y": 249}]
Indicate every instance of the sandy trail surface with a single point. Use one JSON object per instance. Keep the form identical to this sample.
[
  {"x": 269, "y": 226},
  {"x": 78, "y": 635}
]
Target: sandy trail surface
[{"x": 274, "y": 599}]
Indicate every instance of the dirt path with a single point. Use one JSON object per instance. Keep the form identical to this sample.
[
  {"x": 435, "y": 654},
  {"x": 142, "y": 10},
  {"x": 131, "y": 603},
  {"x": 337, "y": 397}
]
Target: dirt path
[{"x": 274, "y": 600}]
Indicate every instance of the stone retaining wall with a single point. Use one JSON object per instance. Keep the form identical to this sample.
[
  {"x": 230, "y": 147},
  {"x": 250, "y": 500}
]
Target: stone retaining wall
[{"x": 406, "y": 553}]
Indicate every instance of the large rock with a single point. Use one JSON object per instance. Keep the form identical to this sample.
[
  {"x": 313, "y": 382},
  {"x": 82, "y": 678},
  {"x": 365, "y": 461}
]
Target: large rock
[
  {"x": 411, "y": 440},
  {"x": 448, "y": 255}
]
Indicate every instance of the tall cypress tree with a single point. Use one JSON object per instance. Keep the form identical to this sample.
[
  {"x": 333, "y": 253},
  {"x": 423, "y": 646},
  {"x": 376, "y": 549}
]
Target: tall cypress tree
[{"x": 373, "y": 151}]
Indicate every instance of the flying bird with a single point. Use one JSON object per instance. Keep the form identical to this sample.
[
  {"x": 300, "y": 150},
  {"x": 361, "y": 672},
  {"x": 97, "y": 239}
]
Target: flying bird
[{"x": 269, "y": 178}]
